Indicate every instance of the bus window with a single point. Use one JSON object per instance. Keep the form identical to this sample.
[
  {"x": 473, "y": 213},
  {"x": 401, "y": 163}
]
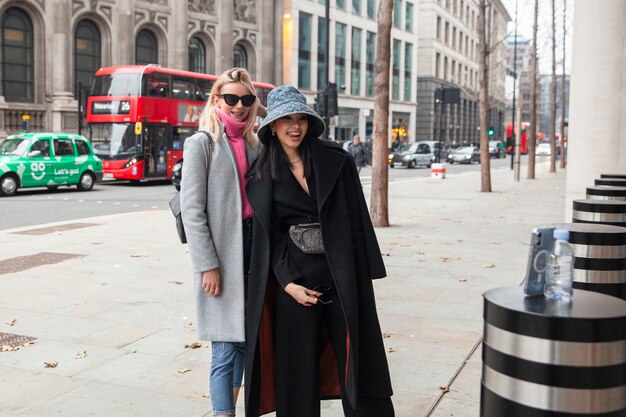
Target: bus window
[
  {"x": 183, "y": 88},
  {"x": 157, "y": 85},
  {"x": 180, "y": 134},
  {"x": 262, "y": 93},
  {"x": 203, "y": 89},
  {"x": 115, "y": 85}
]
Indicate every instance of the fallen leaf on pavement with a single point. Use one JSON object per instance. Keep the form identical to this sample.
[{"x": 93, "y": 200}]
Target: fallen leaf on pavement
[
  {"x": 206, "y": 395},
  {"x": 420, "y": 252},
  {"x": 12, "y": 322},
  {"x": 391, "y": 350},
  {"x": 194, "y": 345},
  {"x": 463, "y": 280},
  {"x": 387, "y": 335},
  {"x": 445, "y": 389},
  {"x": 488, "y": 266},
  {"x": 7, "y": 348},
  {"x": 28, "y": 344},
  {"x": 177, "y": 282},
  {"x": 81, "y": 355},
  {"x": 50, "y": 364},
  {"x": 184, "y": 370}
]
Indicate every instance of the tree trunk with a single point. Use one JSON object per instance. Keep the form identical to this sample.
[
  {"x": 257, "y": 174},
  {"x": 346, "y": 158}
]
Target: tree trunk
[
  {"x": 552, "y": 130},
  {"x": 532, "y": 129},
  {"x": 563, "y": 102},
  {"x": 380, "y": 174},
  {"x": 483, "y": 99}
]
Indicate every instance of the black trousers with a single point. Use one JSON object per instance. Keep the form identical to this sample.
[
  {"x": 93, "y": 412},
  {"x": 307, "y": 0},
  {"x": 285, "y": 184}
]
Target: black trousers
[{"x": 298, "y": 340}]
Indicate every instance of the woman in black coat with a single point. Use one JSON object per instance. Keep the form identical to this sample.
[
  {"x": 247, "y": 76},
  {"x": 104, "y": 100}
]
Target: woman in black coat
[{"x": 312, "y": 329}]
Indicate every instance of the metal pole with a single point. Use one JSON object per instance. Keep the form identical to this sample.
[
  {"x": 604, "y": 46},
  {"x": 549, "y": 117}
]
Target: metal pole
[
  {"x": 79, "y": 95},
  {"x": 440, "y": 124},
  {"x": 514, "y": 87},
  {"x": 516, "y": 149},
  {"x": 327, "y": 57}
]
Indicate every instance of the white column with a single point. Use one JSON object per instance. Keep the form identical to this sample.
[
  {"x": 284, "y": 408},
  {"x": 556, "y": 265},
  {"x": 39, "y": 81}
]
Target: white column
[
  {"x": 597, "y": 118},
  {"x": 227, "y": 15}
]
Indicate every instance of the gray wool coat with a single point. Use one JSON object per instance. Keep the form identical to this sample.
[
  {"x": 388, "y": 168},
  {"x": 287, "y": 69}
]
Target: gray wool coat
[{"x": 212, "y": 214}]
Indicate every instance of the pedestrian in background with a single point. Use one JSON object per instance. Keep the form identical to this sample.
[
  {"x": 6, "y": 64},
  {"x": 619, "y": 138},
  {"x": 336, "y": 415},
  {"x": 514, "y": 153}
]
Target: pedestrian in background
[
  {"x": 312, "y": 327},
  {"x": 359, "y": 152},
  {"x": 218, "y": 223}
]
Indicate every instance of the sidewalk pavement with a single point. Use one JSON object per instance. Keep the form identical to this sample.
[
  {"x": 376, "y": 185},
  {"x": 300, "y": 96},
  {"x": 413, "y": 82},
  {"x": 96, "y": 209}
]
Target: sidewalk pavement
[{"x": 117, "y": 318}]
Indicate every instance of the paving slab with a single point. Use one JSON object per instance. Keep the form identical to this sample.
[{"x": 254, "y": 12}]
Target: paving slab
[{"x": 128, "y": 303}]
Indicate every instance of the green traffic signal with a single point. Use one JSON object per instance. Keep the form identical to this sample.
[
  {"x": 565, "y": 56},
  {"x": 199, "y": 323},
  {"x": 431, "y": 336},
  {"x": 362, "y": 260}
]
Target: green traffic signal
[{"x": 491, "y": 131}]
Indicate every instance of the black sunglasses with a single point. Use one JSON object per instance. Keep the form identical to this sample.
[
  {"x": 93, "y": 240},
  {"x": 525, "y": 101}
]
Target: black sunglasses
[
  {"x": 327, "y": 294},
  {"x": 233, "y": 99}
]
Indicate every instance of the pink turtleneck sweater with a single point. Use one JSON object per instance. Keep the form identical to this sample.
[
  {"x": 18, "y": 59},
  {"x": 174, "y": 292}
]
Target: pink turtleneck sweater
[{"x": 234, "y": 130}]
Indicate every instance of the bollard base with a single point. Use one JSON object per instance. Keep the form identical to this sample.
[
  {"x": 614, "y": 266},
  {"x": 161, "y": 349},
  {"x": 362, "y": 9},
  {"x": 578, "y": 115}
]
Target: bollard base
[{"x": 438, "y": 171}]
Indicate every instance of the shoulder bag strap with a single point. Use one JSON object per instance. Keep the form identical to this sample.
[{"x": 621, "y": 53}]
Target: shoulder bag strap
[{"x": 210, "y": 149}]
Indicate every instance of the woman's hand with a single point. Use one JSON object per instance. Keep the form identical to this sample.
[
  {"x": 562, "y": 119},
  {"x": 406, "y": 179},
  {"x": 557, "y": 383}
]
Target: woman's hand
[
  {"x": 261, "y": 111},
  {"x": 211, "y": 281},
  {"x": 302, "y": 295}
]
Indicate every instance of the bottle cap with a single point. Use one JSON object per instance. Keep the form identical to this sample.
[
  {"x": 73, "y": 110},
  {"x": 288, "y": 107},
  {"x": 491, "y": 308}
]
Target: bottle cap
[{"x": 562, "y": 234}]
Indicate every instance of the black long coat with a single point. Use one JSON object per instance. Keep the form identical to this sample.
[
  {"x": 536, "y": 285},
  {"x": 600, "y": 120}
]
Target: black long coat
[{"x": 354, "y": 258}]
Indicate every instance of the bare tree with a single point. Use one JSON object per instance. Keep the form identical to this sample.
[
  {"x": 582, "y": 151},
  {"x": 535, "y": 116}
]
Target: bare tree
[
  {"x": 563, "y": 102},
  {"x": 483, "y": 98},
  {"x": 532, "y": 129},
  {"x": 552, "y": 129},
  {"x": 380, "y": 174}
]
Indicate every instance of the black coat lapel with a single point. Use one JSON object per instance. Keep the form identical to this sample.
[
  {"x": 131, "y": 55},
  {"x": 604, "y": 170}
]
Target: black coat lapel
[
  {"x": 327, "y": 165},
  {"x": 259, "y": 194}
]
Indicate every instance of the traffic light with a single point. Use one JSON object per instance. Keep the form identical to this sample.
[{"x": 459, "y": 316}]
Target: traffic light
[
  {"x": 491, "y": 131},
  {"x": 333, "y": 108},
  {"x": 320, "y": 103}
]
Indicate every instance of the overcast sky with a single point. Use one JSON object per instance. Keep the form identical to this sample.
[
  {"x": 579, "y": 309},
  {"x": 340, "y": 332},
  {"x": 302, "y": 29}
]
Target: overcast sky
[{"x": 544, "y": 33}]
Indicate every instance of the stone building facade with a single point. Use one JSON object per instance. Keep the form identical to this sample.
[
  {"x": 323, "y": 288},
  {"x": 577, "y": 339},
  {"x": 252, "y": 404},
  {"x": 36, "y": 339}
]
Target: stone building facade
[
  {"x": 448, "y": 58},
  {"x": 47, "y": 46}
]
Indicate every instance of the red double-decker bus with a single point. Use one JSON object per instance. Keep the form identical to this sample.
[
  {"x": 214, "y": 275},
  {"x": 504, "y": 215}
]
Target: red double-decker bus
[{"x": 139, "y": 116}]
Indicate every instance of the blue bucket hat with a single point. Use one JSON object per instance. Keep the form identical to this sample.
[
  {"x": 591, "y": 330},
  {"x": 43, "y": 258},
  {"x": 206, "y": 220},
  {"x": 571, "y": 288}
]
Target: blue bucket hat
[{"x": 285, "y": 100}]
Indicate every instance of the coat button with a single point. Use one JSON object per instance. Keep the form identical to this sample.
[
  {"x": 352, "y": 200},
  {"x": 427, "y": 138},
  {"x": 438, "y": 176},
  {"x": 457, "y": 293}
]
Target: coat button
[{"x": 344, "y": 212}]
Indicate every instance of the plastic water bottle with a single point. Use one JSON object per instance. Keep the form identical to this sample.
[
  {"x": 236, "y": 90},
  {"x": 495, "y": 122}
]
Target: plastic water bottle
[{"x": 560, "y": 269}]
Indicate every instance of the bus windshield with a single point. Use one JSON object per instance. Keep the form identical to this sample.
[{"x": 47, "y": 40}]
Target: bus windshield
[
  {"x": 114, "y": 140},
  {"x": 116, "y": 85}
]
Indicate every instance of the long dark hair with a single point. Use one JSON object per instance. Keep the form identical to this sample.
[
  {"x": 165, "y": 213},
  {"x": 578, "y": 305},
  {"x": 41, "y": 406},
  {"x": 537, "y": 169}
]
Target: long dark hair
[{"x": 272, "y": 153}]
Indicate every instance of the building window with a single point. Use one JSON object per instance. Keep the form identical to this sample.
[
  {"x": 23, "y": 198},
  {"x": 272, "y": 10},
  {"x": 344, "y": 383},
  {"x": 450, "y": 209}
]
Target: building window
[
  {"x": 437, "y": 64},
  {"x": 86, "y": 53},
  {"x": 445, "y": 68},
  {"x": 321, "y": 53},
  {"x": 371, "y": 9},
  {"x": 408, "y": 18},
  {"x": 240, "y": 56},
  {"x": 341, "y": 4},
  {"x": 304, "y": 50},
  {"x": 197, "y": 55},
  {"x": 439, "y": 28},
  {"x": 370, "y": 63},
  {"x": 146, "y": 49},
  {"x": 355, "y": 82},
  {"x": 17, "y": 56},
  {"x": 395, "y": 70},
  {"x": 445, "y": 34},
  {"x": 356, "y": 7},
  {"x": 397, "y": 13},
  {"x": 340, "y": 56},
  {"x": 453, "y": 38},
  {"x": 408, "y": 54}
]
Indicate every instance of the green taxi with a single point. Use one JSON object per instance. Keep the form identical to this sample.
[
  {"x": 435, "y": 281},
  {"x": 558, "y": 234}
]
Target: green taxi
[{"x": 47, "y": 160}]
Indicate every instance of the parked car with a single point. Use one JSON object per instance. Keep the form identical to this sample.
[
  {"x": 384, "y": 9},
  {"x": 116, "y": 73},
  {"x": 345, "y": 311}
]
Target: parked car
[
  {"x": 464, "y": 155},
  {"x": 412, "y": 155},
  {"x": 177, "y": 172},
  {"x": 496, "y": 149},
  {"x": 543, "y": 149},
  {"x": 47, "y": 160}
]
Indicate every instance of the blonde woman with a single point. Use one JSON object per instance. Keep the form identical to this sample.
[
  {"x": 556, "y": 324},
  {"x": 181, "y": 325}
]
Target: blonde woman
[{"x": 218, "y": 223}]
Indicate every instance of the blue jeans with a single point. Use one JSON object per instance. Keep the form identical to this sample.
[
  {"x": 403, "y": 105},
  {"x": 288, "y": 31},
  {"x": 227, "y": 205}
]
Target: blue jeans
[{"x": 227, "y": 363}]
